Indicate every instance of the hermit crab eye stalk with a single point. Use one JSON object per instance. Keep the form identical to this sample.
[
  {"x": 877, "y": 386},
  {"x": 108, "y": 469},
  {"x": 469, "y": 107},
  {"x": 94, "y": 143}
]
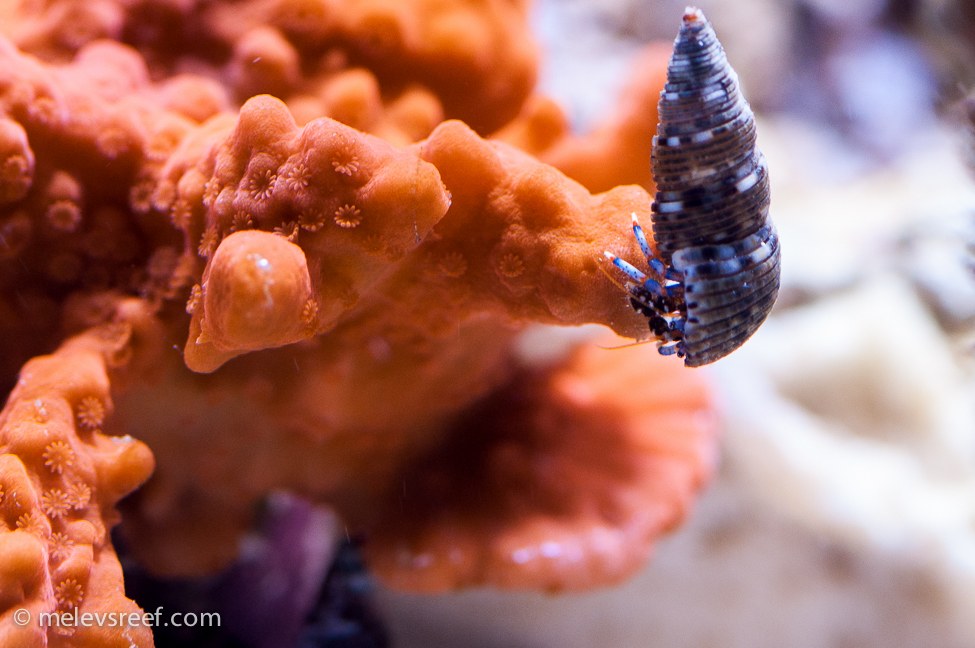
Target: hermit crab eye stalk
[{"x": 717, "y": 273}]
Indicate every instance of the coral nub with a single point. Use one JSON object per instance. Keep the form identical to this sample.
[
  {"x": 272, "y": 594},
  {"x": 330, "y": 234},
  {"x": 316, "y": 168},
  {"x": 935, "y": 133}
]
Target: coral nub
[{"x": 710, "y": 214}]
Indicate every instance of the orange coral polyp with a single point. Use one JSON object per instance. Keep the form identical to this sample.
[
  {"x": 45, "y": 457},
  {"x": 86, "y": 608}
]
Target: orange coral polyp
[
  {"x": 255, "y": 290},
  {"x": 16, "y": 162}
]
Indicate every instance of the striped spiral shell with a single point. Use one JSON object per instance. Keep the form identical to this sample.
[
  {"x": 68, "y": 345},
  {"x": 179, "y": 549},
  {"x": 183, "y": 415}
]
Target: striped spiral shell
[{"x": 710, "y": 212}]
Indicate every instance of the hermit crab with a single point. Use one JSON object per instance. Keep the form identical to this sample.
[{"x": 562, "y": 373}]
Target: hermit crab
[{"x": 716, "y": 274}]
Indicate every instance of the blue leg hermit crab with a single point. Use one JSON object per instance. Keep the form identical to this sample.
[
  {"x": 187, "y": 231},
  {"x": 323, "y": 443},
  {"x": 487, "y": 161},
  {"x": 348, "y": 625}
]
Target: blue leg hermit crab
[{"x": 717, "y": 272}]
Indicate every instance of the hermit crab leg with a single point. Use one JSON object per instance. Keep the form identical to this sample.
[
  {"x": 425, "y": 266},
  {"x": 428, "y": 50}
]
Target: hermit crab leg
[
  {"x": 671, "y": 348},
  {"x": 666, "y": 327},
  {"x": 655, "y": 264},
  {"x": 636, "y": 275},
  {"x": 656, "y": 286},
  {"x": 645, "y": 246}
]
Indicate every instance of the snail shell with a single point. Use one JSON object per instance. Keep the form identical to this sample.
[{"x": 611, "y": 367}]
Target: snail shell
[{"x": 710, "y": 212}]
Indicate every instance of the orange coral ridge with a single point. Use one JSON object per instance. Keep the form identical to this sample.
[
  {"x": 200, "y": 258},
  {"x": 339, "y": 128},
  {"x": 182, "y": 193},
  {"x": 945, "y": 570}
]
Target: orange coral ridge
[
  {"x": 60, "y": 478},
  {"x": 518, "y": 239},
  {"x": 78, "y": 215}
]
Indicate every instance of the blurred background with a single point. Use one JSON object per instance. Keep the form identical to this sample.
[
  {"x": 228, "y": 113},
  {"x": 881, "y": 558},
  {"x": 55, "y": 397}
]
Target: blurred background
[{"x": 843, "y": 514}]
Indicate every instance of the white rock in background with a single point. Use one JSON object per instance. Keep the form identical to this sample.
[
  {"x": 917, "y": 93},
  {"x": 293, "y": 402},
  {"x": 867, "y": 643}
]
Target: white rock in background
[
  {"x": 851, "y": 418},
  {"x": 839, "y": 222},
  {"x": 738, "y": 576}
]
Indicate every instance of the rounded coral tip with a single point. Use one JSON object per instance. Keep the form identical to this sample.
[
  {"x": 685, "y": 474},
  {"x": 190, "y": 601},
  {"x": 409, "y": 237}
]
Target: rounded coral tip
[
  {"x": 21, "y": 560},
  {"x": 257, "y": 287}
]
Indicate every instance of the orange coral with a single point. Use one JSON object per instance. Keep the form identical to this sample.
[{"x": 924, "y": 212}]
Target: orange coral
[
  {"x": 478, "y": 58},
  {"x": 353, "y": 294},
  {"x": 354, "y": 97},
  {"x": 395, "y": 367},
  {"x": 557, "y": 482},
  {"x": 60, "y": 478},
  {"x": 91, "y": 125},
  {"x": 349, "y": 426},
  {"x": 519, "y": 229}
]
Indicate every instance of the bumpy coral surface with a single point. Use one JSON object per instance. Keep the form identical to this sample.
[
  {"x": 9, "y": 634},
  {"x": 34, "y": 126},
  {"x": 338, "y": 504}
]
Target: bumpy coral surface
[
  {"x": 478, "y": 58},
  {"x": 333, "y": 190},
  {"x": 319, "y": 292},
  {"x": 60, "y": 478}
]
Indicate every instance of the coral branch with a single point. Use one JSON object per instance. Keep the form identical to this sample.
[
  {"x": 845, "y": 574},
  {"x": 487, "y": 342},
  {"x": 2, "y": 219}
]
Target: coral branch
[
  {"x": 60, "y": 478},
  {"x": 520, "y": 240}
]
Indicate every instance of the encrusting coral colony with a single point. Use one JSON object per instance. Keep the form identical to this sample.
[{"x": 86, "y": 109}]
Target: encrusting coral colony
[{"x": 318, "y": 292}]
